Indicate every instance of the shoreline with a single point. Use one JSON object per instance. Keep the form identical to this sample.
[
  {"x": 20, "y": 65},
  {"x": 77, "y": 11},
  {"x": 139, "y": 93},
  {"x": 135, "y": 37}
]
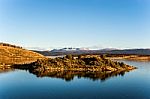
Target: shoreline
[{"x": 130, "y": 57}]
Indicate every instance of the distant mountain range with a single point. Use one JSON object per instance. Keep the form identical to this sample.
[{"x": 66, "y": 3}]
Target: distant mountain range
[{"x": 77, "y": 51}]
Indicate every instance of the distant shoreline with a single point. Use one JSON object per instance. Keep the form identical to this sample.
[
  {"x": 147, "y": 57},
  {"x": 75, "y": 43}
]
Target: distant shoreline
[{"x": 130, "y": 57}]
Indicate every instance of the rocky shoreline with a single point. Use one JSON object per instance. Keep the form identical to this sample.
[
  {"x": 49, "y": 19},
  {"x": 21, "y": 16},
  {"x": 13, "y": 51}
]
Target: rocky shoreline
[{"x": 89, "y": 63}]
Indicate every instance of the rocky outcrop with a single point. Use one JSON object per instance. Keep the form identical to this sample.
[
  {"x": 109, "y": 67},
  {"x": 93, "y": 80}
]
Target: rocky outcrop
[{"x": 80, "y": 63}]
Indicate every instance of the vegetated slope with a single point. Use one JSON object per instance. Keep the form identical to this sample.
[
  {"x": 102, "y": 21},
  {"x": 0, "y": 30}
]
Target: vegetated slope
[{"x": 11, "y": 54}]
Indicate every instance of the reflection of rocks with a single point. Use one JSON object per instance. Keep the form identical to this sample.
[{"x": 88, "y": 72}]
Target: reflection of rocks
[
  {"x": 69, "y": 75},
  {"x": 4, "y": 67},
  {"x": 6, "y": 70}
]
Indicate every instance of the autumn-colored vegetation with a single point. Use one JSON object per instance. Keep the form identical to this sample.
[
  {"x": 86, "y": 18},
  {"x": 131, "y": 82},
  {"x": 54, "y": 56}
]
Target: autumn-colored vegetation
[{"x": 11, "y": 54}]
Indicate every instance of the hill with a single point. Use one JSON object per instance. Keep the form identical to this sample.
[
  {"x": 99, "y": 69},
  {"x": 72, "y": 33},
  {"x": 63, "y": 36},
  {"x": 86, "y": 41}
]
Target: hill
[
  {"x": 12, "y": 54},
  {"x": 103, "y": 51}
]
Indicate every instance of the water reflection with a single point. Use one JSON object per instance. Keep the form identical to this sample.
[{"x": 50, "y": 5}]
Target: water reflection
[
  {"x": 70, "y": 75},
  {"x": 6, "y": 70},
  {"x": 24, "y": 85}
]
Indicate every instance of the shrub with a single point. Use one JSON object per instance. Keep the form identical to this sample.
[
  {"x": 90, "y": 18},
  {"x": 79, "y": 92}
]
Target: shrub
[{"x": 69, "y": 56}]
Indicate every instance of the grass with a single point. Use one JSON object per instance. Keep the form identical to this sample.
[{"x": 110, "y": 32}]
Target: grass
[{"x": 11, "y": 54}]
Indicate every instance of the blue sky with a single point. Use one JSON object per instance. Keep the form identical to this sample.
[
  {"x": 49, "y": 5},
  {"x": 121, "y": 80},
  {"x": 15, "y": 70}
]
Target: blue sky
[{"x": 76, "y": 23}]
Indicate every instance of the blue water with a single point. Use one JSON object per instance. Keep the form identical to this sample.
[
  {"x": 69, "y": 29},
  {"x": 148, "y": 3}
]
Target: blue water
[{"x": 21, "y": 84}]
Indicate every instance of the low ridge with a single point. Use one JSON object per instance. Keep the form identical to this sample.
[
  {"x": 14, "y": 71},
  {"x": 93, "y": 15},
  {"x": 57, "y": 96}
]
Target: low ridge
[{"x": 12, "y": 54}]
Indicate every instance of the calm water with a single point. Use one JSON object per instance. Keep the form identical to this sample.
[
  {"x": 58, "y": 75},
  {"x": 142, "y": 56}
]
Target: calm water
[{"x": 21, "y": 84}]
